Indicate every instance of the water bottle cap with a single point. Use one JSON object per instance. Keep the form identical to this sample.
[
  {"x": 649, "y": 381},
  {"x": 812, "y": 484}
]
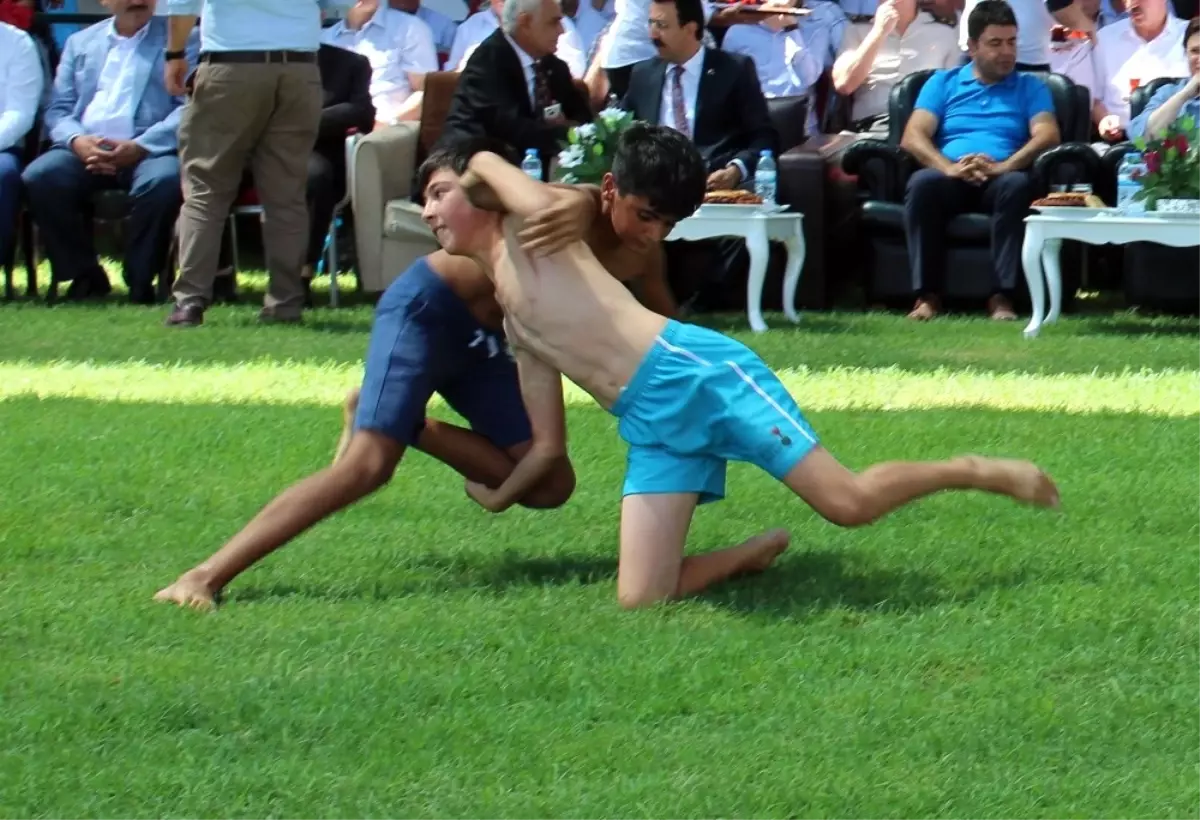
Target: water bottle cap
[
  {"x": 531, "y": 152},
  {"x": 766, "y": 152},
  {"x": 1135, "y": 156}
]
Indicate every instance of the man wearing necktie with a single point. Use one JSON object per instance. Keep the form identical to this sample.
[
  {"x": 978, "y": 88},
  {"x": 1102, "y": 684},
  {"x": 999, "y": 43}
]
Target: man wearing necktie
[
  {"x": 256, "y": 101},
  {"x": 514, "y": 88}
]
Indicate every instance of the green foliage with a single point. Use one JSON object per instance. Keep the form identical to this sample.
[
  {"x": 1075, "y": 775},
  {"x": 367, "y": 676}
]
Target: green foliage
[
  {"x": 1172, "y": 164},
  {"x": 588, "y": 152}
]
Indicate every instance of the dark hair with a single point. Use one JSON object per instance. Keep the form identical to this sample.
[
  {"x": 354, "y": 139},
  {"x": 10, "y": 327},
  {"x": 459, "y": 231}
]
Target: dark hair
[
  {"x": 1193, "y": 28},
  {"x": 456, "y": 156},
  {"x": 662, "y": 165},
  {"x": 989, "y": 13},
  {"x": 689, "y": 11}
]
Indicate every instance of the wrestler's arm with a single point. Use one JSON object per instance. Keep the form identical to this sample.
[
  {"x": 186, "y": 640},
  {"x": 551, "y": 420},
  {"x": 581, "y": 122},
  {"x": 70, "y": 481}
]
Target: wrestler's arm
[
  {"x": 542, "y": 394},
  {"x": 651, "y": 286},
  {"x": 492, "y": 183}
]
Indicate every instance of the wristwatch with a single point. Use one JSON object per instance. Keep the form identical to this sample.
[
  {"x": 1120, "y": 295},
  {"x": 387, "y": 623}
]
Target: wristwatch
[{"x": 174, "y": 55}]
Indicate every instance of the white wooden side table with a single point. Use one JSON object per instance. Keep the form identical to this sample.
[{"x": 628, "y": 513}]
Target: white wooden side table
[{"x": 759, "y": 228}]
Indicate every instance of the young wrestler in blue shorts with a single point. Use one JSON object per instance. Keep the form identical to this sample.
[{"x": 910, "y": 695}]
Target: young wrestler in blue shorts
[
  {"x": 437, "y": 330},
  {"x": 688, "y": 400}
]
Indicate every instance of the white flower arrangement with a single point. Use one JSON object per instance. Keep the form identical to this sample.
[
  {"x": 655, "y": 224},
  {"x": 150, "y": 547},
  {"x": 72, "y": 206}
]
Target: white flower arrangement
[{"x": 587, "y": 155}]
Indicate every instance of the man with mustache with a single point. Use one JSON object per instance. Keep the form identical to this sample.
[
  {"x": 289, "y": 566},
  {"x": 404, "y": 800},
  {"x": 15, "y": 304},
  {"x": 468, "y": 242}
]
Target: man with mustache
[
  {"x": 113, "y": 124},
  {"x": 976, "y": 129}
]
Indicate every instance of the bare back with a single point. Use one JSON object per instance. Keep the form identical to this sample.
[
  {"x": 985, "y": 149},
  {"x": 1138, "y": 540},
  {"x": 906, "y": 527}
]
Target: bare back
[{"x": 572, "y": 314}]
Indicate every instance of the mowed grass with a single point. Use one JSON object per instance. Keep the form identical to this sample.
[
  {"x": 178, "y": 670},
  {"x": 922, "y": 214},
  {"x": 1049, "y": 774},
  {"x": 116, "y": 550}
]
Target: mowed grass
[{"x": 415, "y": 656}]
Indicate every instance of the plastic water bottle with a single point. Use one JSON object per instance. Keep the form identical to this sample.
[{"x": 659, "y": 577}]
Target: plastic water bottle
[
  {"x": 765, "y": 176},
  {"x": 1128, "y": 185},
  {"x": 532, "y": 164}
]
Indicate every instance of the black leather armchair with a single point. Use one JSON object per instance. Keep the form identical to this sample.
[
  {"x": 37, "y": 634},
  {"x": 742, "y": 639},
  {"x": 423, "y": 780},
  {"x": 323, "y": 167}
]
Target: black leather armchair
[
  {"x": 883, "y": 168},
  {"x": 1154, "y": 276}
]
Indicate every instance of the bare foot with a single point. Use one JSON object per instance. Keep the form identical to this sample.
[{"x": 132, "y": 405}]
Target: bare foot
[
  {"x": 1000, "y": 309},
  {"x": 923, "y": 311},
  {"x": 190, "y": 591},
  {"x": 764, "y": 549},
  {"x": 1021, "y": 480}
]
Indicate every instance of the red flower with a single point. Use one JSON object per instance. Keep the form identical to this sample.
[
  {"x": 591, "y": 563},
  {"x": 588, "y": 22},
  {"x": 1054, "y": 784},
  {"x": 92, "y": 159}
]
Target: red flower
[
  {"x": 1181, "y": 144},
  {"x": 1153, "y": 162}
]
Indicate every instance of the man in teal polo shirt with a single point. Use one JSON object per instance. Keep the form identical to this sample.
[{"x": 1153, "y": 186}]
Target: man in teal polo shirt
[{"x": 975, "y": 129}]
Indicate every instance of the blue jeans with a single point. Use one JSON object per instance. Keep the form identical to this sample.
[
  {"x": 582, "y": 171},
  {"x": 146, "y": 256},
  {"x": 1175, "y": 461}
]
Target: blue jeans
[
  {"x": 60, "y": 189},
  {"x": 10, "y": 200}
]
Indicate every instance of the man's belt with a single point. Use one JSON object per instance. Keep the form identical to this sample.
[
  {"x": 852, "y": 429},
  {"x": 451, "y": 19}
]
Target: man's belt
[{"x": 258, "y": 57}]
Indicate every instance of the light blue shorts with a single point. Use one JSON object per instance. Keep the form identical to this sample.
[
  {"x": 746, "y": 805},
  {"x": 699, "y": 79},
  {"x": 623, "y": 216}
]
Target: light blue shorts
[{"x": 697, "y": 401}]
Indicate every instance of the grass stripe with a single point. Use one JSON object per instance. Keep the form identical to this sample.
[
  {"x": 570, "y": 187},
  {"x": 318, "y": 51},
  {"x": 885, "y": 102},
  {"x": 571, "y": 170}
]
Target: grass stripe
[{"x": 1169, "y": 393}]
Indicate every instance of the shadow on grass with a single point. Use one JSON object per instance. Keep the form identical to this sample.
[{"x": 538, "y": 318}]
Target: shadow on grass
[
  {"x": 432, "y": 574},
  {"x": 804, "y": 585},
  {"x": 1128, "y": 326},
  {"x": 809, "y": 583}
]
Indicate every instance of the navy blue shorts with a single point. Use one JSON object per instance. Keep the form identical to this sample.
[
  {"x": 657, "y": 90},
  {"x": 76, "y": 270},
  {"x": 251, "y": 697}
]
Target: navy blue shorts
[{"x": 424, "y": 340}]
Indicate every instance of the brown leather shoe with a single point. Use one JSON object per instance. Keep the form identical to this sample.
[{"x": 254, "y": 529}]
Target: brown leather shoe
[
  {"x": 266, "y": 317},
  {"x": 189, "y": 315},
  {"x": 1000, "y": 309}
]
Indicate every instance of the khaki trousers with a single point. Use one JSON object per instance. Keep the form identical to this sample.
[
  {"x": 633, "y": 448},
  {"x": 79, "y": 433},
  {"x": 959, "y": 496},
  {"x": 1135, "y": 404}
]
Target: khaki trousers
[{"x": 264, "y": 115}]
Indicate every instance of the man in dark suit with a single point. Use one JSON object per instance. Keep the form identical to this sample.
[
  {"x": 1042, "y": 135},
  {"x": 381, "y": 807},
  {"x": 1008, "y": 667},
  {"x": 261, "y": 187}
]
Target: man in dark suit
[
  {"x": 514, "y": 88},
  {"x": 715, "y": 98},
  {"x": 712, "y": 96}
]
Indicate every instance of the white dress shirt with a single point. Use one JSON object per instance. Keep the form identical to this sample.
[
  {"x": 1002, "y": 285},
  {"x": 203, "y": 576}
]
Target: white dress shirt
[
  {"x": 397, "y": 45},
  {"x": 1123, "y": 57},
  {"x": 110, "y": 113},
  {"x": 690, "y": 81},
  {"x": 1076, "y": 59},
  {"x": 476, "y": 28},
  {"x": 589, "y": 22},
  {"x": 21, "y": 81},
  {"x": 443, "y": 28},
  {"x": 1033, "y": 30}
]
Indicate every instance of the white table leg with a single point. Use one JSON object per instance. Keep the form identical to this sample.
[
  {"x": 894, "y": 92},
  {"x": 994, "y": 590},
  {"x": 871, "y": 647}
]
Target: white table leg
[
  {"x": 1031, "y": 260},
  {"x": 791, "y": 274},
  {"x": 1053, "y": 272},
  {"x": 760, "y": 252}
]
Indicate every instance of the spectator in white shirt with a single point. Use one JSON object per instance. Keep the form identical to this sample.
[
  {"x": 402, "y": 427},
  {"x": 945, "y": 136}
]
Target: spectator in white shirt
[
  {"x": 1141, "y": 48},
  {"x": 592, "y": 17},
  {"x": 443, "y": 27},
  {"x": 1073, "y": 53},
  {"x": 399, "y": 47},
  {"x": 113, "y": 125},
  {"x": 876, "y": 55},
  {"x": 472, "y": 31},
  {"x": 20, "y": 92},
  {"x": 791, "y": 53}
]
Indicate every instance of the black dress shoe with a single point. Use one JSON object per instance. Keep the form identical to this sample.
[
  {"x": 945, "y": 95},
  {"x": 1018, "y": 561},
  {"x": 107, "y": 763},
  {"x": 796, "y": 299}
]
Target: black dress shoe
[{"x": 188, "y": 315}]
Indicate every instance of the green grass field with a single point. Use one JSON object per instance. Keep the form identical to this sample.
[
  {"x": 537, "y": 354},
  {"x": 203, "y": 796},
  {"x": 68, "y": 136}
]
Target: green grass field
[{"x": 415, "y": 656}]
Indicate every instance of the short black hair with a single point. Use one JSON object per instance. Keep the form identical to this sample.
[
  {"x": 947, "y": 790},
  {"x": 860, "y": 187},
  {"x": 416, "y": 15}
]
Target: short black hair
[
  {"x": 456, "y": 156},
  {"x": 689, "y": 11},
  {"x": 662, "y": 165},
  {"x": 989, "y": 13}
]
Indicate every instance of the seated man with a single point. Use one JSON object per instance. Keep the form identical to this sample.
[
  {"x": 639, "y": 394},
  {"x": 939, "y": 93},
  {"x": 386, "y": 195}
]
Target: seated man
[
  {"x": 113, "y": 126},
  {"x": 479, "y": 26},
  {"x": 437, "y": 329},
  {"x": 975, "y": 129},
  {"x": 1175, "y": 101},
  {"x": 443, "y": 28},
  {"x": 1130, "y": 52},
  {"x": 877, "y": 54},
  {"x": 715, "y": 99},
  {"x": 20, "y": 92},
  {"x": 688, "y": 400},
  {"x": 401, "y": 52},
  {"x": 513, "y": 87},
  {"x": 790, "y": 53}
]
